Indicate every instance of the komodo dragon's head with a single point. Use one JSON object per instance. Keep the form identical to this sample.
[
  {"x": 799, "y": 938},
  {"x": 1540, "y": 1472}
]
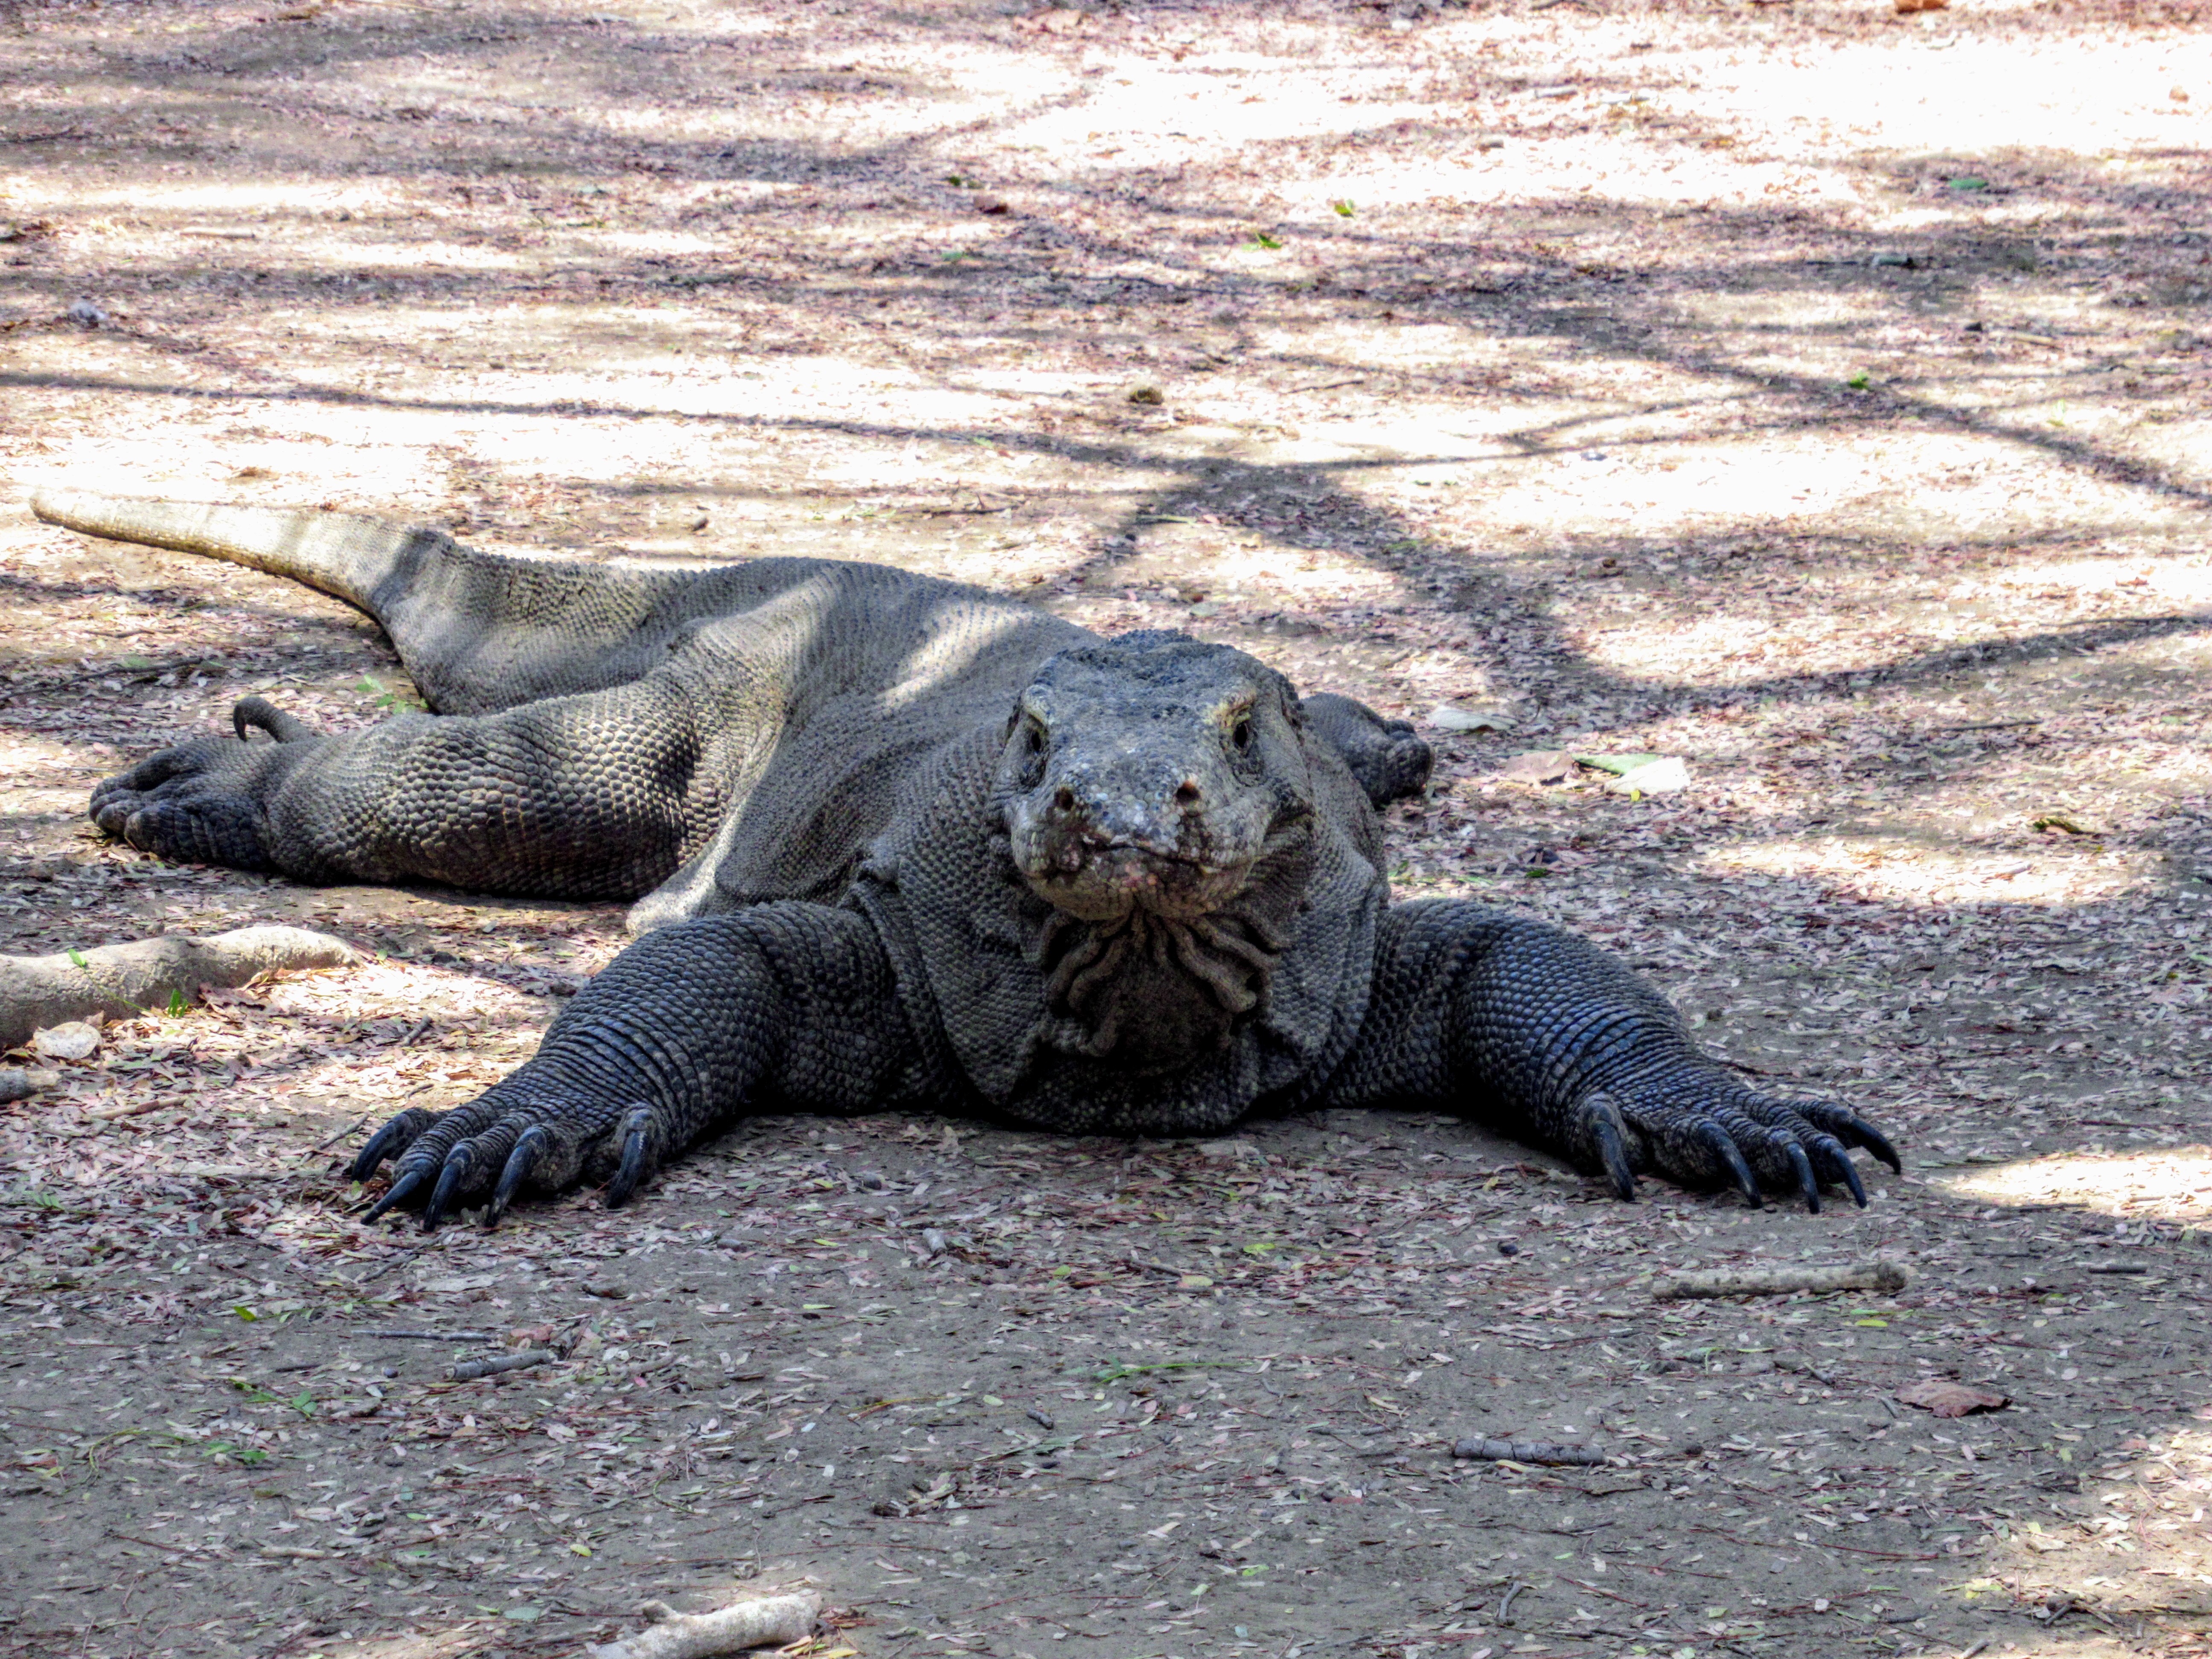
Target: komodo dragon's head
[{"x": 1158, "y": 794}]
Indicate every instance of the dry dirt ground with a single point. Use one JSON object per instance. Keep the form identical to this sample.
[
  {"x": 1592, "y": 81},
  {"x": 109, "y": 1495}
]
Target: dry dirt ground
[{"x": 1814, "y": 395}]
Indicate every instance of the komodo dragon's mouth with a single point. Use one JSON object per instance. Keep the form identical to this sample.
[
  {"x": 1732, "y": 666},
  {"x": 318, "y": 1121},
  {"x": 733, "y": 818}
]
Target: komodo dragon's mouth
[{"x": 1103, "y": 879}]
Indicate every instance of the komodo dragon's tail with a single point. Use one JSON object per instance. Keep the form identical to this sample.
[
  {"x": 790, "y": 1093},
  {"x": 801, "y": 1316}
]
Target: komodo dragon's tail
[
  {"x": 477, "y": 631},
  {"x": 347, "y": 556}
]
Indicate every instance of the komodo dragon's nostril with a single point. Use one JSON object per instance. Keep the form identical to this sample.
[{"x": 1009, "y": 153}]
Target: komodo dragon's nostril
[
  {"x": 1187, "y": 793},
  {"x": 1064, "y": 798}
]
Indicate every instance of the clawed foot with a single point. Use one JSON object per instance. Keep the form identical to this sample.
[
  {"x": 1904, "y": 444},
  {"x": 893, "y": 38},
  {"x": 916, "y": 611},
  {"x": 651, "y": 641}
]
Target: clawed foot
[
  {"x": 491, "y": 1150},
  {"x": 201, "y": 802},
  {"x": 1715, "y": 1132}
]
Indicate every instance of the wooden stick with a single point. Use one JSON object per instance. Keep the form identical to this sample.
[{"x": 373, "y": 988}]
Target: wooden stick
[
  {"x": 769, "y": 1622},
  {"x": 120, "y": 980},
  {"x": 1525, "y": 1451},
  {"x": 469, "y": 1369},
  {"x": 1871, "y": 1274}
]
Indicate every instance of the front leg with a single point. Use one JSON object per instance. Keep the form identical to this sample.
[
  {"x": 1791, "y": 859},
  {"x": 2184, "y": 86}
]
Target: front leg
[
  {"x": 595, "y": 796},
  {"x": 1539, "y": 1033},
  {"x": 787, "y": 1006}
]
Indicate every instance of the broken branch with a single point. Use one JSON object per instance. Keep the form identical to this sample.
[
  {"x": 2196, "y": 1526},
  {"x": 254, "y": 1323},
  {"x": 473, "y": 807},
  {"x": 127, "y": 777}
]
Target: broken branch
[
  {"x": 119, "y": 980},
  {"x": 767, "y": 1621},
  {"x": 1872, "y": 1274}
]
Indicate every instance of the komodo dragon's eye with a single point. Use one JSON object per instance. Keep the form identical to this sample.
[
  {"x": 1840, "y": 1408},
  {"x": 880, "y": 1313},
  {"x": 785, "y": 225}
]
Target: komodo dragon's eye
[
  {"x": 1240, "y": 732},
  {"x": 1033, "y": 736}
]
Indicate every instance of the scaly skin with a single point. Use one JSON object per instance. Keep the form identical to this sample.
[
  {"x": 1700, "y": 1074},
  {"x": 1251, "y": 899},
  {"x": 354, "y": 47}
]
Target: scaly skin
[{"x": 898, "y": 842}]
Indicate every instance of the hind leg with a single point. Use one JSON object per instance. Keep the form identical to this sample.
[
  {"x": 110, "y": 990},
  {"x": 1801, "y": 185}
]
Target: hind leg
[
  {"x": 1389, "y": 761},
  {"x": 598, "y": 796}
]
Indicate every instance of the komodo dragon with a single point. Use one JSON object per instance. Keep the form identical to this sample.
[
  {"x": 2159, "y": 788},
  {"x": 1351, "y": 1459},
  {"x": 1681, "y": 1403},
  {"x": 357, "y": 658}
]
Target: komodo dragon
[{"x": 897, "y": 843}]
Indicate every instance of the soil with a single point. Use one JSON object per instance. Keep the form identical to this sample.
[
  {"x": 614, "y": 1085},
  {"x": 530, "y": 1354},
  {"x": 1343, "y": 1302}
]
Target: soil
[{"x": 1810, "y": 394}]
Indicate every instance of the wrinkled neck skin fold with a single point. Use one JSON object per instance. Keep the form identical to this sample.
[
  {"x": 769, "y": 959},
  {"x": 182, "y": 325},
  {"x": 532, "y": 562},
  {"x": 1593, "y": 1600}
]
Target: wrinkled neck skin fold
[{"x": 1146, "y": 991}]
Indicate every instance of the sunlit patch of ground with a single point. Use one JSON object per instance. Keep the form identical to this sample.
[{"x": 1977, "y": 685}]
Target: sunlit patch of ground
[
  {"x": 2132, "y": 1549},
  {"x": 2172, "y": 1185}
]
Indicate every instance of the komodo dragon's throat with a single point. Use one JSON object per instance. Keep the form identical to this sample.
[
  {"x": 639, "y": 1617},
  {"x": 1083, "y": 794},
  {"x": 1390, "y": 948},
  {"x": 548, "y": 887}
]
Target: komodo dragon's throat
[{"x": 895, "y": 842}]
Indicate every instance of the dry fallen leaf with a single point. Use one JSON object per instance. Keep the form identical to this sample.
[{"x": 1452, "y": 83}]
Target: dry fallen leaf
[
  {"x": 71, "y": 1040},
  {"x": 1947, "y": 1398},
  {"x": 1548, "y": 766}
]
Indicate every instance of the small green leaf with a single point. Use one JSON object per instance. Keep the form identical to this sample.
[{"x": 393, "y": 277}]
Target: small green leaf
[
  {"x": 246, "y": 1313},
  {"x": 1343, "y": 208},
  {"x": 1969, "y": 183},
  {"x": 1260, "y": 238},
  {"x": 76, "y": 959},
  {"x": 1859, "y": 382},
  {"x": 176, "y": 1003},
  {"x": 137, "y": 662},
  {"x": 1619, "y": 765}
]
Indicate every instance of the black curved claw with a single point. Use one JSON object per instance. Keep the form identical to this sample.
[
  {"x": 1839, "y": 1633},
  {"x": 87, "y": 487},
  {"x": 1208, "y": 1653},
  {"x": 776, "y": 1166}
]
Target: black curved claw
[
  {"x": 532, "y": 1144},
  {"x": 1855, "y": 1129},
  {"x": 391, "y": 1139},
  {"x": 1836, "y": 1165},
  {"x": 404, "y": 1186},
  {"x": 1601, "y": 1116},
  {"x": 1808, "y": 1184},
  {"x": 636, "y": 1126},
  {"x": 1724, "y": 1144},
  {"x": 251, "y": 712},
  {"x": 455, "y": 1171}
]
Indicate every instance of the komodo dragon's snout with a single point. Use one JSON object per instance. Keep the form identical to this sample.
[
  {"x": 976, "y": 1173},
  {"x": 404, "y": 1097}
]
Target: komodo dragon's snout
[{"x": 1153, "y": 772}]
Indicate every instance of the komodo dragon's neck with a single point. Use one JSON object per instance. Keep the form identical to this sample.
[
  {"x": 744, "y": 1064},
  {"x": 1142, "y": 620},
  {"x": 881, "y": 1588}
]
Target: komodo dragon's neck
[{"x": 1151, "y": 993}]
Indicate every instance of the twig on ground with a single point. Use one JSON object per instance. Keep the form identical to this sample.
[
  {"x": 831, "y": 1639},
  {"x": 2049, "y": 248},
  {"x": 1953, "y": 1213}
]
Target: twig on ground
[
  {"x": 1871, "y": 1274},
  {"x": 1526, "y": 1451},
  {"x": 330, "y": 1140},
  {"x": 767, "y": 1621},
  {"x": 469, "y": 1369},
  {"x": 122, "y": 981}
]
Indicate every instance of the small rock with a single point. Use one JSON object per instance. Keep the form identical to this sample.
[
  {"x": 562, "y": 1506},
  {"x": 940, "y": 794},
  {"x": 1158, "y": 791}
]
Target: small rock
[
  {"x": 72, "y": 1040},
  {"x": 611, "y": 1292},
  {"x": 933, "y": 1241},
  {"x": 1227, "y": 1149},
  {"x": 1469, "y": 717},
  {"x": 1892, "y": 256},
  {"x": 1151, "y": 396},
  {"x": 1659, "y": 777},
  {"x": 85, "y": 314},
  {"x": 868, "y": 1181},
  {"x": 991, "y": 204}
]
